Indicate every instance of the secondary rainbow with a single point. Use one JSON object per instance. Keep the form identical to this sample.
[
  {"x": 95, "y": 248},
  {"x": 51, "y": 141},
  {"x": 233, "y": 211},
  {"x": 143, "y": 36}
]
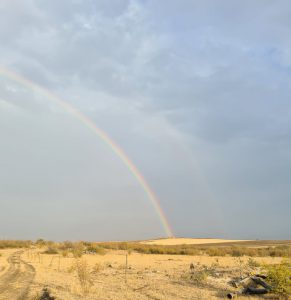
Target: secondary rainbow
[{"x": 8, "y": 74}]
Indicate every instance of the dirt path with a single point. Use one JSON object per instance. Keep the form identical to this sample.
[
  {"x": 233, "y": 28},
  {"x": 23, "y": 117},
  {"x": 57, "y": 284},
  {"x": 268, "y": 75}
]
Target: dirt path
[{"x": 14, "y": 284}]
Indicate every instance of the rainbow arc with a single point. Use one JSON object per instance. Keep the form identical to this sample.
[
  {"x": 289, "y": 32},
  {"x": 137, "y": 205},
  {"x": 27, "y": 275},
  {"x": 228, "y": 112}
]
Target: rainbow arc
[{"x": 8, "y": 74}]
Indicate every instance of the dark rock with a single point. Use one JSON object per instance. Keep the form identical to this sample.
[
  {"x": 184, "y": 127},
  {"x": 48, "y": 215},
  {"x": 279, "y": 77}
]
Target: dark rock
[{"x": 46, "y": 295}]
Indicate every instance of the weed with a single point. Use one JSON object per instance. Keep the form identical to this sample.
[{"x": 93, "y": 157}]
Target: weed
[
  {"x": 97, "y": 268},
  {"x": 78, "y": 250},
  {"x": 252, "y": 263},
  {"x": 96, "y": 250},
  {"x": 51, "y": 250},
  {"x": 71, "y": 269},
  {"x": 65, "y": 253},
  {"x": 199, "y": 276},
  {"x": 84, "y": 275}
]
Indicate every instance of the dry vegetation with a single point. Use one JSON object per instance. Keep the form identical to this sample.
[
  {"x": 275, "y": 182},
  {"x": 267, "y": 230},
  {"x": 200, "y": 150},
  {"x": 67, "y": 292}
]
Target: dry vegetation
[
  {"x": 13, "y": 244},
  {"x": 224, "y": 249},
  {"x": 85, "y": 270},
  {"x": 188, "y": 241}
]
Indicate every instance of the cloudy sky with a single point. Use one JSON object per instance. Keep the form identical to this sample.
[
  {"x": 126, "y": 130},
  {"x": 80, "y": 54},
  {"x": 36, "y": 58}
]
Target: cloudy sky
[{"x": 197, "y": 93}]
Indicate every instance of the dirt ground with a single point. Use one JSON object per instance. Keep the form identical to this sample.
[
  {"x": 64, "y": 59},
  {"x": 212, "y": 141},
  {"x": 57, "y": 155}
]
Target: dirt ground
[
  {"x": 4, "y": 264},
  {"x": 147, "y": 276},
  {"x": 15, "y": 282}
]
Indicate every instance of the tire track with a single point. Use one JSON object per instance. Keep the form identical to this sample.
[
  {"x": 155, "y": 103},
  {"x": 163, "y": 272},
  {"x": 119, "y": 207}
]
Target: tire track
[{"x": 14, "y": 284}]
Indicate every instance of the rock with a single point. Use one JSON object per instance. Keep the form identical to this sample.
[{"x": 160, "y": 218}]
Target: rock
[{"x": 46, "y": 295}]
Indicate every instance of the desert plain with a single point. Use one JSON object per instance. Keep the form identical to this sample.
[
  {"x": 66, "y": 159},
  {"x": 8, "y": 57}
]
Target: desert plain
[{"x": 125, "y": 271}]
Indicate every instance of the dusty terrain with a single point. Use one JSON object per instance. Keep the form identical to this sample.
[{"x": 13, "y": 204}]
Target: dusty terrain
[
  {"x": 147, "y": 276},
  {"x": 15, "y": 282},
  {"x": 119, "y": 274},
  {"x": 4, "y": 264}
]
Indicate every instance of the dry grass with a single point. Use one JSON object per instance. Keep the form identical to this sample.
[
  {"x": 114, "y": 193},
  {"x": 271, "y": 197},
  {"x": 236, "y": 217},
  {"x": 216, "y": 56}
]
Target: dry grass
[
  {"x": 187, "y": 241},
  {"x": 148, "y": 276},
  {"x": 4, "y": 244},
  {"x": 84, "y": 275},
  {"x": 100, "y": 269},
  {"x": 232, "y": 249}
]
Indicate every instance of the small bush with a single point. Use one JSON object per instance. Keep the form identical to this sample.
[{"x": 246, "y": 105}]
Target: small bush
[
  {"x": 84, "y": 276},
  {"x": 199, "y": 276},
  {"x": 78, "y": 250},
  {"x": 96, "y": 250},
  {"x": 51, "y": 250},
  {"x": 252, "y": 263},
  {"x": 97, "y": 268},
  {"x": 236, "y": 252},
  {"x": 123, "y": 246},
  {"x": 40, "y": 243},
  {"x": 279, "y": 277},
  {"x": 65, "y": 253},
  {"x": 66, "y": 245},
  {"x": 71, "y": 269}
]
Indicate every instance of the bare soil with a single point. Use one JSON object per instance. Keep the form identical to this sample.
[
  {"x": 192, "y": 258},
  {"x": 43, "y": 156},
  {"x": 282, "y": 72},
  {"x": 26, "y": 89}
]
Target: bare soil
[
  {"x": 147, "y": 276},
  {"x": 15, "y": 282}
]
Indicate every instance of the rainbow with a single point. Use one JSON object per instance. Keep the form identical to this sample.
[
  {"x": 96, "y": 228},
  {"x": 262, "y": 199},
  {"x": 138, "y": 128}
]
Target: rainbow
[{"x": 8, "y": 74}]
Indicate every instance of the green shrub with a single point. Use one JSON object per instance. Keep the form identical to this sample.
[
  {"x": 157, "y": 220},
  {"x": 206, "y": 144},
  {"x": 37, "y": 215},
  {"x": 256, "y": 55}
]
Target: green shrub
[{"x": 279, "y": 277}]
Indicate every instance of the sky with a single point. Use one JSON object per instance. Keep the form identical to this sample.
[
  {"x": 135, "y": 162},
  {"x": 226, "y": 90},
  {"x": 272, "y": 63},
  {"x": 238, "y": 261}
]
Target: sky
[{"x": 196, "y": 93}]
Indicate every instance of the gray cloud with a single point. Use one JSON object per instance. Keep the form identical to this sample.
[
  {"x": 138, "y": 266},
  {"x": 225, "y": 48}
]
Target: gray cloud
[{"x": 197, "y": 94}]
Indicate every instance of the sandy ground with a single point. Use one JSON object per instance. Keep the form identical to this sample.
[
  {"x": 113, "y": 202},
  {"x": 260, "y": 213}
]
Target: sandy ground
[
  {"x": 147, "y": 276},
  {"x": 4, "y": 264},
  {"x": 16, "y": 281},
  {"x": 185, "y": 241}
]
